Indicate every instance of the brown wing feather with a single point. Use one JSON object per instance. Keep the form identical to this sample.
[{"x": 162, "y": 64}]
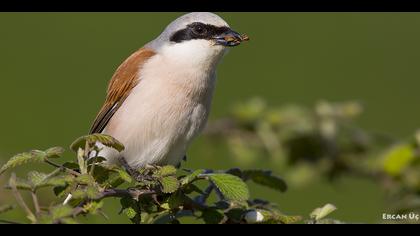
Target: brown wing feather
[{"x": 123, "y": 81}]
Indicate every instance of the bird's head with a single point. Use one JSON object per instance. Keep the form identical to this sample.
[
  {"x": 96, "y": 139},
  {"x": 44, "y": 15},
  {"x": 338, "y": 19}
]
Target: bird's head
[{"x": 197, "y": 36}]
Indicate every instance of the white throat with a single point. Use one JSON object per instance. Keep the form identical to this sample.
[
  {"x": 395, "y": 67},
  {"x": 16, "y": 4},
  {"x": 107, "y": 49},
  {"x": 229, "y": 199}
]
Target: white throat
[{"x": 199, "y": 53}]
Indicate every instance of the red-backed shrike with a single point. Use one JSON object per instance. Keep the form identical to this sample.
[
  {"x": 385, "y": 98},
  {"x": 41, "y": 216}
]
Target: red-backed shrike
[{"x": 159, "y": 98}]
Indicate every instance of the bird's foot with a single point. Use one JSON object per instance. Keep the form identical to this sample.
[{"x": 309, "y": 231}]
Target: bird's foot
[{"x": 139, "y": 177}]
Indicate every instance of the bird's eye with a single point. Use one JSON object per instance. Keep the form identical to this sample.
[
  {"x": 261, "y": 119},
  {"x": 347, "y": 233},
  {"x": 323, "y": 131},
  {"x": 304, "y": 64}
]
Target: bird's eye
[{"x": 199, "y": 29}]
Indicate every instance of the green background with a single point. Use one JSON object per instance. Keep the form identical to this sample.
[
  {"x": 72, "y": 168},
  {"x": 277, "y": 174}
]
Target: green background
[{"x": 54, "y": 69}]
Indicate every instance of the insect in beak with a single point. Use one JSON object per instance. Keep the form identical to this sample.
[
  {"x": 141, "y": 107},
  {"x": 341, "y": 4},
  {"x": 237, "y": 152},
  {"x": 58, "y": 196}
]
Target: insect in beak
[{"x": 230, "y": 38}]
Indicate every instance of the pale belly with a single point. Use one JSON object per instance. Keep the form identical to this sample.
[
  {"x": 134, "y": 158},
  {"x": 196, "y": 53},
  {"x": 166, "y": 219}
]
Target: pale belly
[{"x": 156, "y": 129}]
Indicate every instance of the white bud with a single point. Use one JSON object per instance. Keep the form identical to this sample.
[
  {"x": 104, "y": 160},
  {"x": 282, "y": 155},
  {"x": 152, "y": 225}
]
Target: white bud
[{"x": 254, "y": 217}]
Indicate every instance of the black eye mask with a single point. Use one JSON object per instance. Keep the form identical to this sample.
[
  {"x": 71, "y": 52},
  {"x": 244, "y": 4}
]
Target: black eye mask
[{"x": 198, "y": 30}]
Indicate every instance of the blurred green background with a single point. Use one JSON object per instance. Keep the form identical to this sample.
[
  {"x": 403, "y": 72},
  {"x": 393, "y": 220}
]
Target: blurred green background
[{"x": 55, "y": 68}]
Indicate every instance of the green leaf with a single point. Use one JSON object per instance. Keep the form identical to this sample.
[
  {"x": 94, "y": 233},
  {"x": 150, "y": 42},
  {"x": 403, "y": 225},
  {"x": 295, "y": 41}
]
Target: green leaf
[
  {"x": 85, "y": 179},
  {"x": 232, "y": 187},
  {"x": 24, "y": 158},
  {"x": 212, "y": 216},
  {"x": 265, "y": 178},
  {"x": 61, "y": 211},
  {"x": 124, "y": 175},
  {"x": 191, "y": 177},
  {"x": 57, "y": 181},
  {"x": 176, "y": 200},
  {"x": 322, "y": 212},
  {"x": 236, "y": 214},
  {"x": 71, "y": 165},
  {"x": 165, "y": 171},
  {"x": 54, "y": 152},
  {"x": 169, "y": 184},
  {"x": 61, "y": 191},
  {"x": 93, "y": 207},
  {"x": 36, "y": 178},
  {"x": 93, "y": 138},
  {"x": 192, "y": 188},
  {"x": 92, "y": 192},
  {"x": 398, "y": 158},
  {"x": 6, "y": 208},
  {"x": 130, "y": 212}
]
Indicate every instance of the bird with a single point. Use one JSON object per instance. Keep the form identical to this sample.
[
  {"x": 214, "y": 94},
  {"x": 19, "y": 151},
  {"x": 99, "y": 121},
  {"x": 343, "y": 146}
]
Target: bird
[{"x": 159, "y": 99}]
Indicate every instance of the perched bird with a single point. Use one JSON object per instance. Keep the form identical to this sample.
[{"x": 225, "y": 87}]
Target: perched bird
[{"x": 159, "y": 98}]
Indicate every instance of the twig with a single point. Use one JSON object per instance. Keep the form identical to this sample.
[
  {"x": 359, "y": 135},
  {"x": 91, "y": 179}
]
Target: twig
[
  {"x": 134, "y": 193},
  {"x": 63, "y": 168},
  {"x": 203, "y": 198},
  {"x": 36, "y": 203},
  {"x": 19, "y": 198},
  {"x": 120, "y": 193}
]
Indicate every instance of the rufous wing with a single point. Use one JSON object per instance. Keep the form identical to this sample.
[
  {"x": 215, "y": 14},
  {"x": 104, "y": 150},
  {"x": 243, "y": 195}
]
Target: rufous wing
[{"x": 125, "y": 78}]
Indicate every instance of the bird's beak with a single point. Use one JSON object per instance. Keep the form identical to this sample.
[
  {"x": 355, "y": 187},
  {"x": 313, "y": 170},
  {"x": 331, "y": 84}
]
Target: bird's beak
[{"x": 230, "y": 38}]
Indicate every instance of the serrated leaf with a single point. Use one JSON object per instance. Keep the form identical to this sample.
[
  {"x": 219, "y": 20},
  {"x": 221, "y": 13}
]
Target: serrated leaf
[
  {"x": 32, "y": 156},
  {"x": 265, "y": 178},
  {"x": 92, "y": 139},
  {"x": 322, "y": 212},
  {"x": 23, "y": 158},
  {"x": 54, "y": 152},
  {"x": 169, "y": 184},
  {"x": 35, "y": 178},
  {"x": 232, "y": 187},
  {"x": 191, "y": 177},
  {"x": 57, "y": 181},
  {"x": 165, "y": 171}
]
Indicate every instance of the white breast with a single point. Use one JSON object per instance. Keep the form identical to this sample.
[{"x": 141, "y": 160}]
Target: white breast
[{"x": 163, "y": 113}]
